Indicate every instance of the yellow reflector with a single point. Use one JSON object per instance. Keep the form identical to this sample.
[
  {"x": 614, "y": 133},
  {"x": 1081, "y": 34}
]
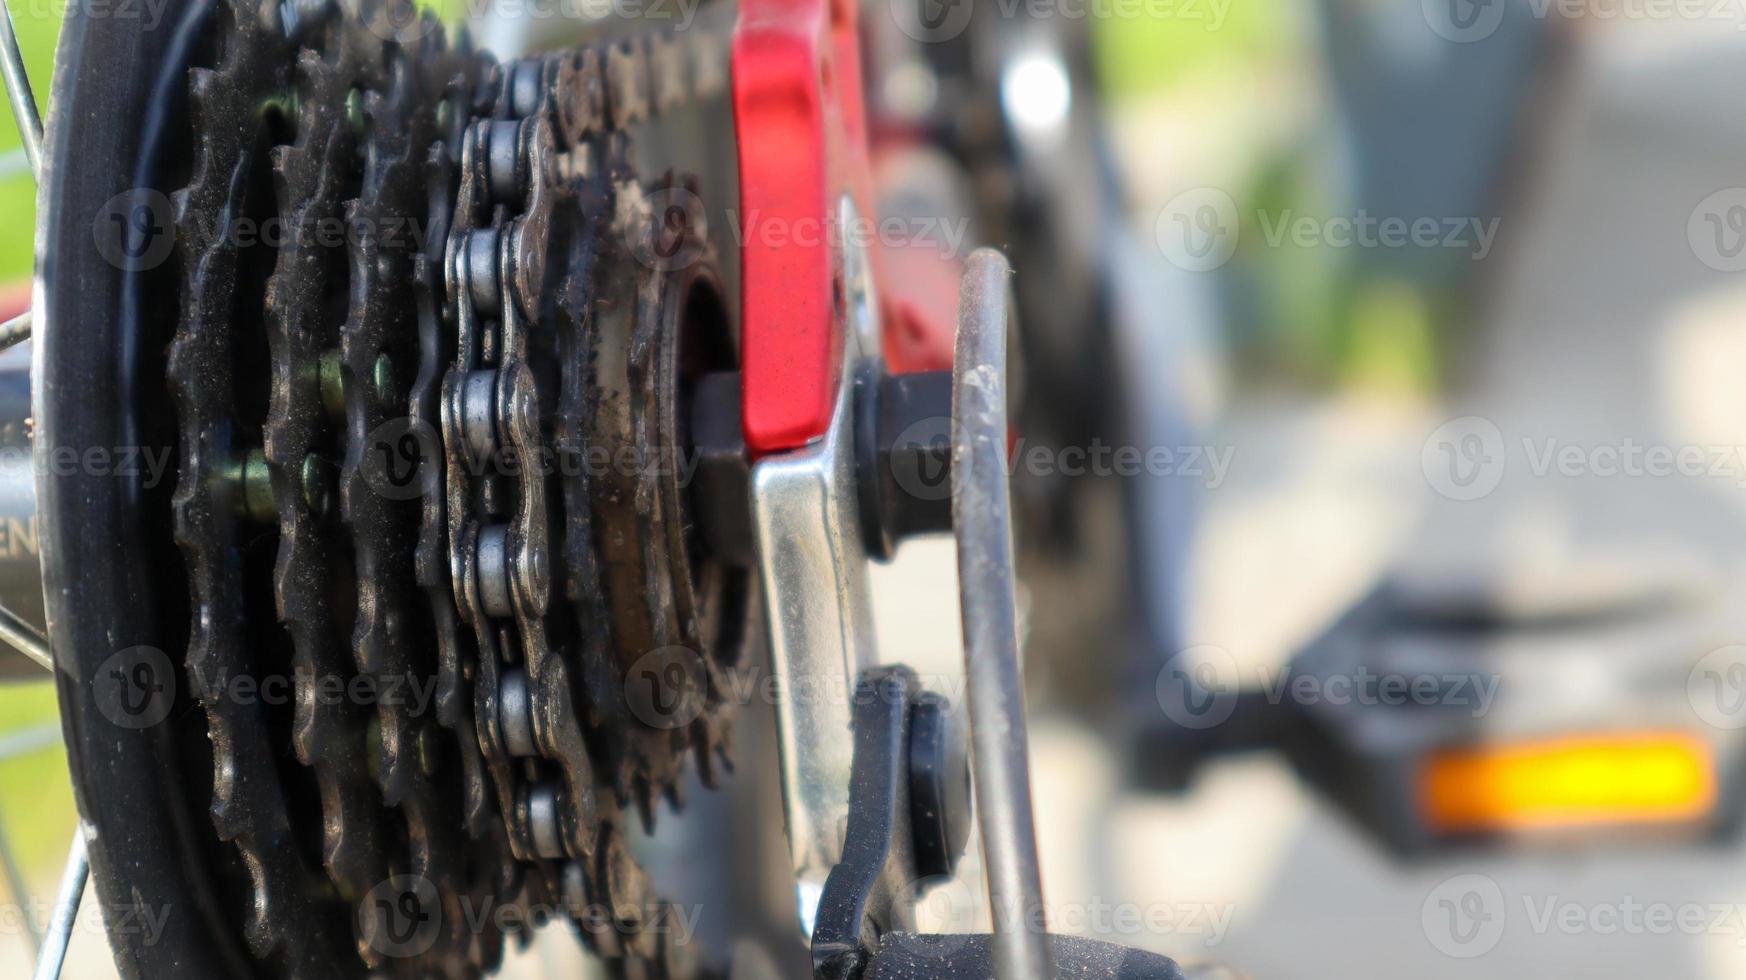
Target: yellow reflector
[{"x": 1638, "y": 778}]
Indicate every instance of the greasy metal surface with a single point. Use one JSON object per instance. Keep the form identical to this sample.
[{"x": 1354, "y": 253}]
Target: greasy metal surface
[
  {"x": 389, "y": 643},
  {"x": 982, "y": 521},
  {"x": 328, "y": 734},
  {"x": 325, "y": 111},
  {"x": 249, "y": 806}
]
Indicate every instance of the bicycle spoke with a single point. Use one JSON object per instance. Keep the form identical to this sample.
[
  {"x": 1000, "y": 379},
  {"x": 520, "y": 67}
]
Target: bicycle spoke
[
  {"x": 60, "y": 929},
  {"x": 15, "y": 331},
  {"x": 18, "y": 89},
  {"x": 25, "y": 640}
]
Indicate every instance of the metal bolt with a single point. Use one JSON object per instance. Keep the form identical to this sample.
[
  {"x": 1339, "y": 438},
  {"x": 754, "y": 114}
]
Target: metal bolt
[
  {"x": 355, "y": 110},
  {"x": 255, "y": 490},
  {"x": 313, "y": 478},
  {"x": 284, "y": 105},
  {"x": 428, "y": 757},
  {"x": 382, "y": 379},
  {"x": 333, "y": 386}
]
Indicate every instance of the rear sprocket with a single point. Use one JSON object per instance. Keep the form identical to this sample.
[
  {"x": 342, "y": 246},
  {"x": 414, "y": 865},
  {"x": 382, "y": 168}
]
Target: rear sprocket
[{"x": 419, "y": 348}]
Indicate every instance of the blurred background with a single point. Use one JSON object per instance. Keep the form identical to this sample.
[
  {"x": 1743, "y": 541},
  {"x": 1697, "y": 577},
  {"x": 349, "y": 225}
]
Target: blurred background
[{"x": 1443, "y": 327}]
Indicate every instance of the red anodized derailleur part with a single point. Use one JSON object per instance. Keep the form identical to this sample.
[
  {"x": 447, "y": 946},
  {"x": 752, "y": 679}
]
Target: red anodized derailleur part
[{"x": 801, "y": 123}]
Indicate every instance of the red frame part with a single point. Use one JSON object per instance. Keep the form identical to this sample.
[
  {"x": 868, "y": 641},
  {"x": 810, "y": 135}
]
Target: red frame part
[{"x": 800, "y": 119}]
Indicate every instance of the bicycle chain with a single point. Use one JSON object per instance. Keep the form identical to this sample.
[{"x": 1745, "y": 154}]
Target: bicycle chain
[
  {"x": 500, "y": 537},
  {"x": 379, "y": 116}
]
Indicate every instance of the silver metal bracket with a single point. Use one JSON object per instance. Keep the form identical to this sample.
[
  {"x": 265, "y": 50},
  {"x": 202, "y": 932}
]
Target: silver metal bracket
[{"x": 813, "y": 561}]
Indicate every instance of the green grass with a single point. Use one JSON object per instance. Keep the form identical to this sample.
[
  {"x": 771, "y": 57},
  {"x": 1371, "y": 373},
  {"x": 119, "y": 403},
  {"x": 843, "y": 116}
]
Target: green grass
[
  {"x": 38, "y": 23},
  {"x": 1139, "y": 56},
  {"x": 36, "y": 796}
]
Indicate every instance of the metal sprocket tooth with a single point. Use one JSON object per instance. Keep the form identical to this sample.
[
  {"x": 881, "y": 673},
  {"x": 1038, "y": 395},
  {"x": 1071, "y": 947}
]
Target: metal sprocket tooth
[
  {"x": 249, "y": 806},
  {"x": 652, "y": 601},
  {"x": 450, "y": 804},
  {"x": 312, "y": 174},
  {"x": 392, "y": 634}
]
